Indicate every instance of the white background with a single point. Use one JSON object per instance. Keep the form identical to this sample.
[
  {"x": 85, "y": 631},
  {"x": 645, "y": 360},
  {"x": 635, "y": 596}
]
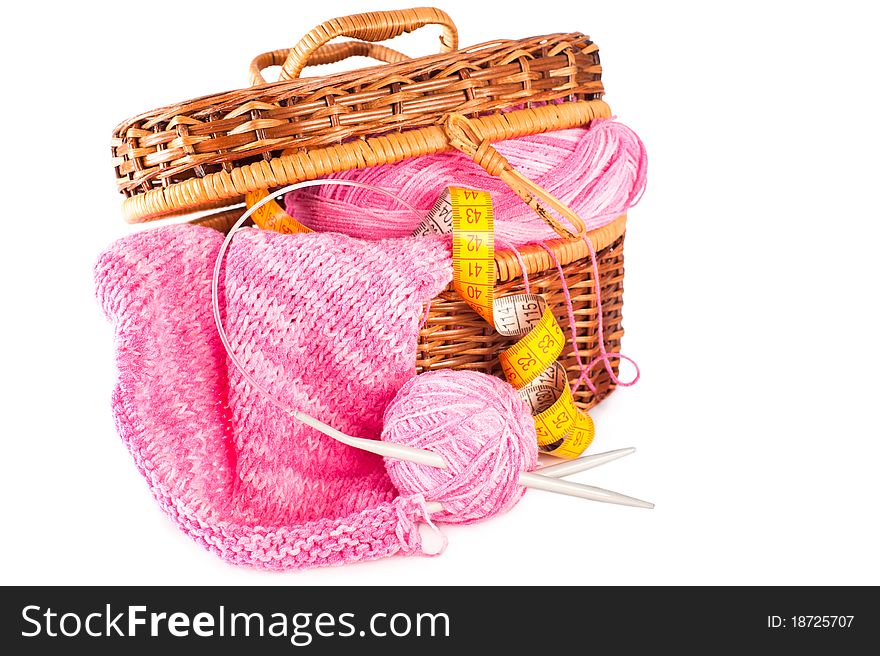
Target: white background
[{"x": 751, "y": 298}]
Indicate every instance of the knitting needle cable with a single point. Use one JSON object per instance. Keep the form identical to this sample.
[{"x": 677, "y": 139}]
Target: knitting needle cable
[
  {"x": 385, "y": 449},
  {"x": 407, "y": 452}
]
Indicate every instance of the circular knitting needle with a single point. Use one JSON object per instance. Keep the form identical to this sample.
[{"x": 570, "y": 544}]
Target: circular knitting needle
[{"x": 423, "y": 457}]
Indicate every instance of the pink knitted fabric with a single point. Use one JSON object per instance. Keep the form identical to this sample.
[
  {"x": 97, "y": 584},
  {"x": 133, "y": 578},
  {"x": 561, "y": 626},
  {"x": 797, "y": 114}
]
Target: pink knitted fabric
[{"x": 239, "y": 476}]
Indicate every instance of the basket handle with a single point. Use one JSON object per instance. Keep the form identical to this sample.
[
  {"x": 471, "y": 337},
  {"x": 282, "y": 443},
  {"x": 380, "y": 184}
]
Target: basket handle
[
  {"x": 371, "y": 26},
  {"x": 463, "y": 135},
  {"x": 326, "y": 54}
]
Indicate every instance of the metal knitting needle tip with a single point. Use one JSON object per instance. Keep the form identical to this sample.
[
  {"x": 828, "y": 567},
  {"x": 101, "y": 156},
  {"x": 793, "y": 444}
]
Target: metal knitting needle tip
[
  {"x": 559, "y": 486},
  {"x": 583, "y": 464}
]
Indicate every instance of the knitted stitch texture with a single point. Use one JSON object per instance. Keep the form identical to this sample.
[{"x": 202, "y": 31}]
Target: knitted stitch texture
[{"x": 329, "y": 324}]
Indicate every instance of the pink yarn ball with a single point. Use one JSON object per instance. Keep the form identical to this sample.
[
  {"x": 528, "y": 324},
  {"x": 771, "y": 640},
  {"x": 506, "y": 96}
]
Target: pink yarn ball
[
  {"x": 480, "y": 426},
  {"x": 599, "y": 172}
]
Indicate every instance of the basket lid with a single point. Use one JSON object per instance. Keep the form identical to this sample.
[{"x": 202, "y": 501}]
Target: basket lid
[{"x": 209, "y": 152}]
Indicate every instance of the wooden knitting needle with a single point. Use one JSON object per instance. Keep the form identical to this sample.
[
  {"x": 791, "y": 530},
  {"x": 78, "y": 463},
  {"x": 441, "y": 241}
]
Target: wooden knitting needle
[{"x": 526, "y": 479}]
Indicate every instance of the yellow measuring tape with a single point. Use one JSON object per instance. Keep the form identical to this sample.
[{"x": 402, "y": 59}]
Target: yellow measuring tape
[
  {"x": 473, "y": 249},
  {"x": 272, "y": 216},
  {"x": 530, "y": 365}
]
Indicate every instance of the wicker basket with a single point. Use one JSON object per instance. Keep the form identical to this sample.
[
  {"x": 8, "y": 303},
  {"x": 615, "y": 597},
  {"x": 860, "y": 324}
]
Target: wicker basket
[{"x": 208, "y": 153}]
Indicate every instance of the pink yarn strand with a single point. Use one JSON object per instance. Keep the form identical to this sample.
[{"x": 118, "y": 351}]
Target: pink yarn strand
[
  {"x": 520, "y": 260},
  {"x": 604, "y": 356},
  {"x": 425, "y": 315}
]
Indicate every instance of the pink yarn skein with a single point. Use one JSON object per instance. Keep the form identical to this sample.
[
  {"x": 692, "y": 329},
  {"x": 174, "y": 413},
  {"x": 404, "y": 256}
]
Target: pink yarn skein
[
  {"x": 599, "y": 172},
  {"x": 480, "y": 426}
]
